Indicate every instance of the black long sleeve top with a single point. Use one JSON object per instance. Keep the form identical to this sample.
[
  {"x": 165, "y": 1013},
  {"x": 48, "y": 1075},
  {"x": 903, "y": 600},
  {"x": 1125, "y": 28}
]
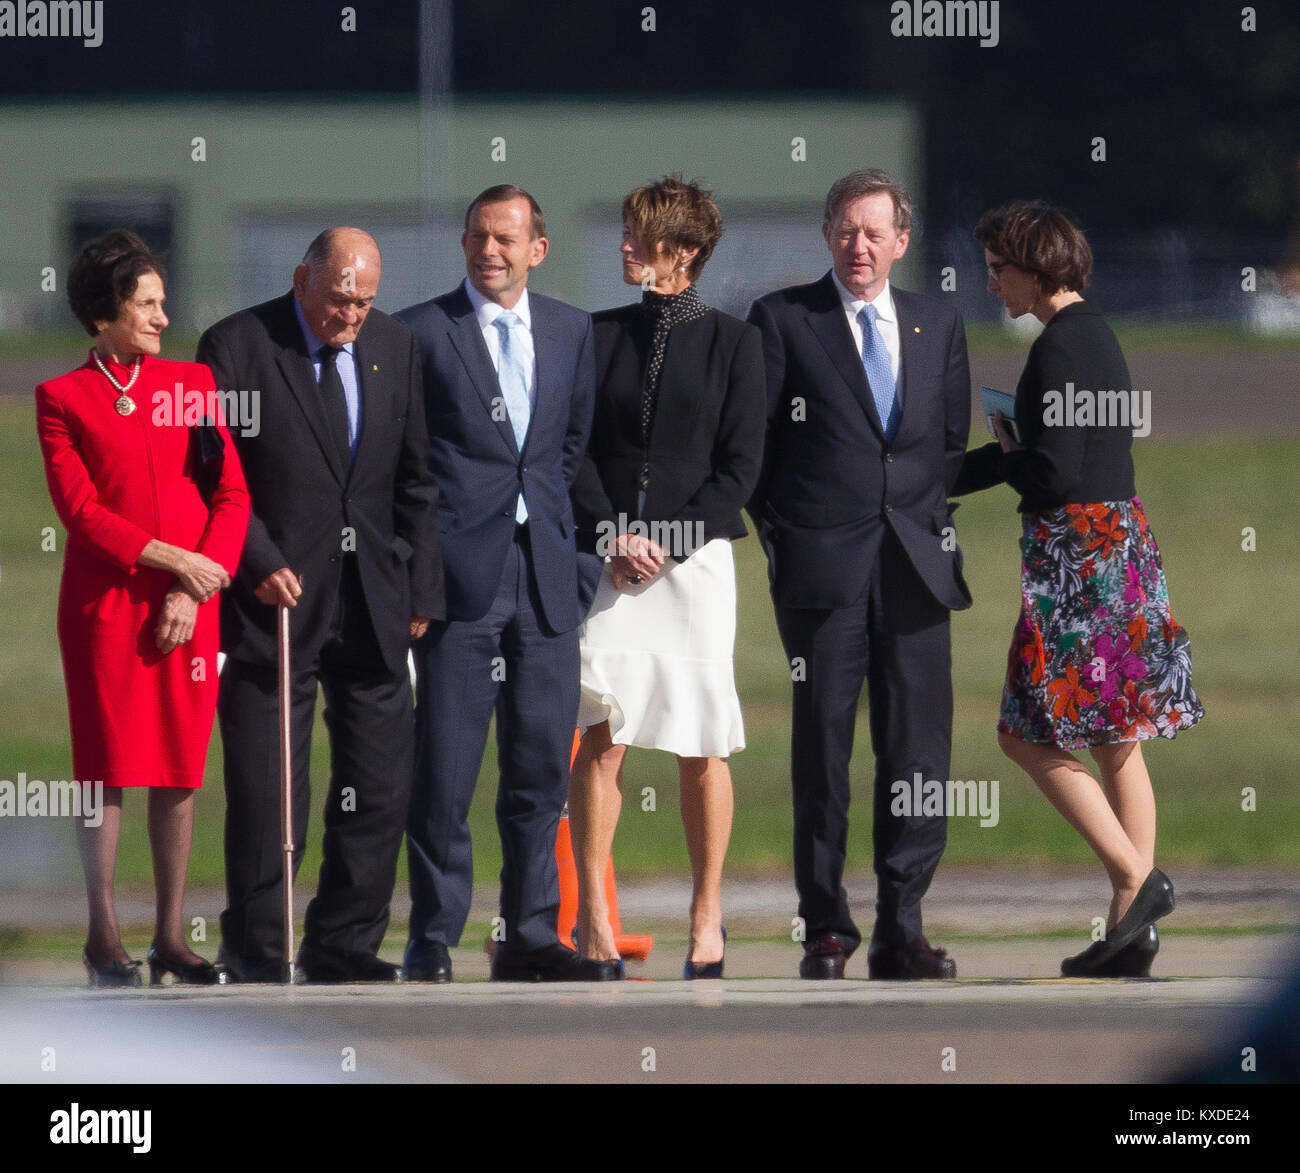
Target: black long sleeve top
[{"x": 1063, "y": 461}]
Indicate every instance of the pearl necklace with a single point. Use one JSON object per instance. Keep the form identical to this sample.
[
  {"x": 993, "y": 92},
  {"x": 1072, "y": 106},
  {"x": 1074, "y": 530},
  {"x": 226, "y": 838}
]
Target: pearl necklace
[{"x": 124, "y": 403}]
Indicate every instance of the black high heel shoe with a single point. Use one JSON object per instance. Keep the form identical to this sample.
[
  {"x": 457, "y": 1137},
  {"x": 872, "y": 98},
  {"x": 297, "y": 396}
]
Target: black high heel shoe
[
  {"x": 696, "y": 971},
  {"x": 1153, "y": 900},
  {"x": 620, "y": 967},
  {"x": 1133, "y": 961},
  {"x": 119, "y": 975},
  {"x": 200, "y": 973}
]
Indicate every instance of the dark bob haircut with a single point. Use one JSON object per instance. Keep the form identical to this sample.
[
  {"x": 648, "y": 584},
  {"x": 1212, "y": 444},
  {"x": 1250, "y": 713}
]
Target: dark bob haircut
[
  {"x": 106, "y": 273},
  {"x": 675, "y": 214},
  {"x": 1040, "y": 239}
]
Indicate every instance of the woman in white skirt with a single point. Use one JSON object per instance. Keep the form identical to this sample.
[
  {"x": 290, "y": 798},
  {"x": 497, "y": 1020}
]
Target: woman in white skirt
[{"x": 675, "y": 452}]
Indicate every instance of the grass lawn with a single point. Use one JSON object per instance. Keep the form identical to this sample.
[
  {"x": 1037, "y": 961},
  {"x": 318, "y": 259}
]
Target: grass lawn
[{"x": 1236, "y": 605}]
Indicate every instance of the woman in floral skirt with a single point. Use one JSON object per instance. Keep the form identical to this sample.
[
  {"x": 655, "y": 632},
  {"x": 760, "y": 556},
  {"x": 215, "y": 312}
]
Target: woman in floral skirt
[{"x": 1097, "y": 661}]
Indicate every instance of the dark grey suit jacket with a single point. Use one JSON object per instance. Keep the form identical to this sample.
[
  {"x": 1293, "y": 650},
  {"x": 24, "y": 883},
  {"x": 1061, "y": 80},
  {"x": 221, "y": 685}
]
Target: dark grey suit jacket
[{"x": 308, "y": 507}]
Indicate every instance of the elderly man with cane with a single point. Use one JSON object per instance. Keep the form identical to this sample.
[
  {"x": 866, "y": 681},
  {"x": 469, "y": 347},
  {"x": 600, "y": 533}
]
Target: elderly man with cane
[{"x": 343, "y": 536}]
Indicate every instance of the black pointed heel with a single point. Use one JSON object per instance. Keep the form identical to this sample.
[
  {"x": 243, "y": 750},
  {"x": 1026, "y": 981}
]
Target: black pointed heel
[
  {"x": 697, "y": 971},
  {"x": 119, "y": 975},
  {"x": 1154, "y": 900},
  {"x": 200, "y": 973},
  {"x": 1133, "y": 961}
]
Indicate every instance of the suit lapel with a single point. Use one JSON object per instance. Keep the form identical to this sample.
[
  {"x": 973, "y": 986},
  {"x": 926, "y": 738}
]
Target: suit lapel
[
  {"x": 546, "y": 349},
  {"x": 295, "y": 366},
  {"x": 467, "y": 338},
  {"x": 832, "y": 329},
  {"x": 910, "y": 341},
  {"x": 372, "y": 394}
]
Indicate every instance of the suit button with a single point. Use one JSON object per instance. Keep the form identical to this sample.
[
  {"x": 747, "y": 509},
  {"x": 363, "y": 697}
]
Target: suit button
[
  {"x": 889, "y": 458},
  {"x": 334, "y": 557},
  {"x": 889, "y": 509},
  {"x": 643, "y": 483}
]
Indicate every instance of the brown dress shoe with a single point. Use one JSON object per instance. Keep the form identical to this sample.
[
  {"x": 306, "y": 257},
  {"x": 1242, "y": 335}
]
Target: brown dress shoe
[
  {"x": 916, "y": 959},
  {"x": 824, "y": 957}
]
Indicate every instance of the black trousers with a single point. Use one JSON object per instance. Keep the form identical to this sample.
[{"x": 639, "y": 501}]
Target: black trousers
[
  {"x": 509, "y": 663},
  {"x": 368, "y": 712},
  {"x": 896, "y": 639}
]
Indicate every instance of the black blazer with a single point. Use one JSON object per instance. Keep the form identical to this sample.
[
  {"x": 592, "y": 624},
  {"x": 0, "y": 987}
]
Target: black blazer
[
  {"x": 478, "y": 466},
  {"x": 706, "y": 439},
  {"x": 830, "y": 484},
  {"x": 1069, "y": 463},
  {"x": 308, "y": 508}
]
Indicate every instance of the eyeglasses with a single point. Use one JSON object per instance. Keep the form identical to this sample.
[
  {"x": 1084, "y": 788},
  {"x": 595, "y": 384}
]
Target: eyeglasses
[{"x": 995, "y": 269}]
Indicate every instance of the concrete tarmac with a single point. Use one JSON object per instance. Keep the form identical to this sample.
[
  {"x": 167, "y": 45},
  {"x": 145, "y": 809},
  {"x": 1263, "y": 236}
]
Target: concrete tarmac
[{"x": 1007, "y": 1018}]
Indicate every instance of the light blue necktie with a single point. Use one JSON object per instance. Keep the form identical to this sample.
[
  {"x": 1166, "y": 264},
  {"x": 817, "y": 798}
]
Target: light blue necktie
[
  {"x": 880, "y": 373},
  {"x": 514, "y": 389}
]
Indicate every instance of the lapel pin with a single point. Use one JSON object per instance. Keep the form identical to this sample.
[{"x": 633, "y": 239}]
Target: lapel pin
[
  {"x": 374, "y": 366},
  {"x": 916, "y": 329}
]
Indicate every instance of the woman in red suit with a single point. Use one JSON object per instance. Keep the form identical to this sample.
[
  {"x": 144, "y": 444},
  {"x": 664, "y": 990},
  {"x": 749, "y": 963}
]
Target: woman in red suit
[{"x": 154, "y": 533}]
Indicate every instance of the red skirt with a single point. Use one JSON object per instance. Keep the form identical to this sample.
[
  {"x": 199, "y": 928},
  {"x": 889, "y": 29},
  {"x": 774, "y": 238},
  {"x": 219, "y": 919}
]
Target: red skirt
[{"x": 138, "y": 717}]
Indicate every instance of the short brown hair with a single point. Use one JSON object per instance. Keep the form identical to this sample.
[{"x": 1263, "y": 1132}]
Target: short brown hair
[
  {"x": 674, "y": 214},
  {"x": 865, "y": 182},
  {"x": 500, "y": 193},
  {"x": 105, "y": 274},
  {"x": 1040, "y": 239}
]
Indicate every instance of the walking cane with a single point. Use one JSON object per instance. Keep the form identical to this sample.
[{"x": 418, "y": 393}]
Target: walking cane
[{"x": 286, "y": 788}]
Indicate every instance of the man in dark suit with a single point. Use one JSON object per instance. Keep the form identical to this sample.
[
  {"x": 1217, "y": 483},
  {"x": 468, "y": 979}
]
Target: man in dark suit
[
  {"x": 509, "y": 381},
  {"x": 868, "y": 414},
  {"x": 345, "y": 531}
]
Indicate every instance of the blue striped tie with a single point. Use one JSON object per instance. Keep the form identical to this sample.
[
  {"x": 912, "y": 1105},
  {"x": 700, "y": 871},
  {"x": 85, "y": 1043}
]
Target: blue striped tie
[{"x": 880, "y": 373}]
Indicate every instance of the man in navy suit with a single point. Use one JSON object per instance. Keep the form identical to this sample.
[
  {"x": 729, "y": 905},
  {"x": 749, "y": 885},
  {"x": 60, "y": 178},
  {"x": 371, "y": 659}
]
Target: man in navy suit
[
  {"x": 868, "y": 414},
  {"x": 509, "y": 380}
]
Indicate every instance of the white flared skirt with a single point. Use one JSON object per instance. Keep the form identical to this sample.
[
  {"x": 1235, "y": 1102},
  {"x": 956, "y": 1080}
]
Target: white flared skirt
[{"x": 657, "y": 658}]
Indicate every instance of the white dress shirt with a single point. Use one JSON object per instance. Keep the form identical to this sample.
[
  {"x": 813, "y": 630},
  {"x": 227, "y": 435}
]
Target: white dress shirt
[
  {"x": 886, "y": 322},
  {"x": 487, "y": 312},
  {"x": 345, "y": 364}
]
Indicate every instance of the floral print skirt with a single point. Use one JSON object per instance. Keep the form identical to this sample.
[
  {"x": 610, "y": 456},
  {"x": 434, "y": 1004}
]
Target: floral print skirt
[{"x": 1097, "y": 656}]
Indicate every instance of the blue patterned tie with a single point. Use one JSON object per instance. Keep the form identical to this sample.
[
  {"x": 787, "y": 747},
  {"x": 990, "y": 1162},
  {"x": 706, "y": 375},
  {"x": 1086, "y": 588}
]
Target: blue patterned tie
[
  {"x": 880, "y": 374},
  {"x": 514, "y": 389}
]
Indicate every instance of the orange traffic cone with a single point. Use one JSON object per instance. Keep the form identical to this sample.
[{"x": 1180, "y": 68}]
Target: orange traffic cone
[{"x": 635, "y": 946}]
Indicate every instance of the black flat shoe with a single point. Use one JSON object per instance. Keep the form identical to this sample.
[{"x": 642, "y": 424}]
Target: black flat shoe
[
  {"x": 198, "y": 973},
  {"x": 316, "y": 967},
  {"x": 119, "y": 975},
  {"x": 916, "y": 960},
  {"x": 239, "y": 971},
  {"x": 553, "y": 963},
  {"x": 429, "y": 962},
  {"x": 698, "y": 971},
  {"x": 1133, "y": 961}
]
